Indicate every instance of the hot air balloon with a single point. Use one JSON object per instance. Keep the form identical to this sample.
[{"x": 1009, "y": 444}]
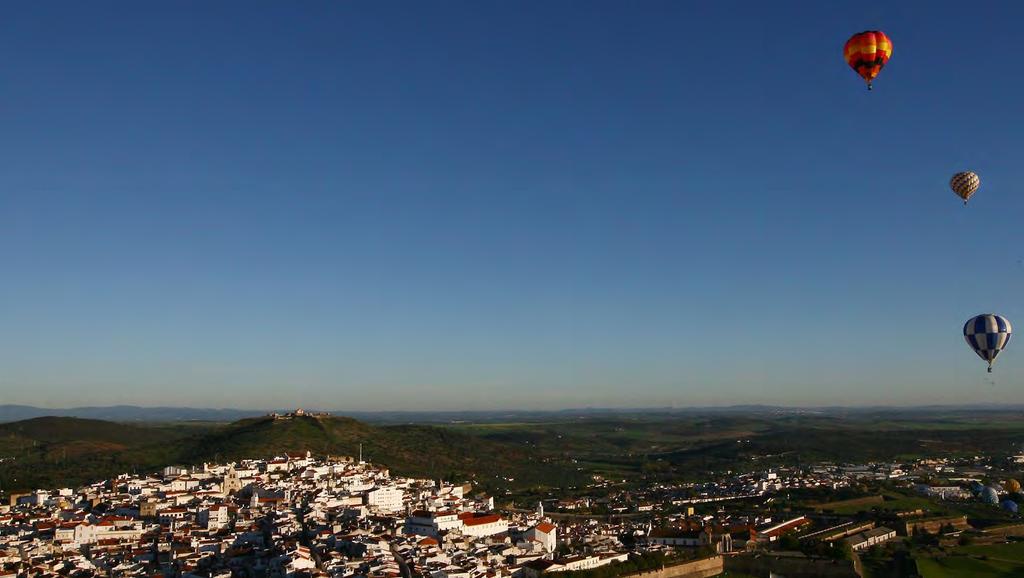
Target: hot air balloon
[
  {"x": 867, "y": 52},
  {"x": 987, "y": 335},
  {"x": 990, "y": 496},
  {"x": 965, "y": 184},
  {"x": 1012, "y": 486}
]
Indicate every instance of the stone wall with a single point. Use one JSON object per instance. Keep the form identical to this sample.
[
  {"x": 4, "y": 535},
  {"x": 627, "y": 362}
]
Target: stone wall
[
  {"x": 790, "y": 567},
  {"x": 14, "y": 498},
  {"x": 1009, "y": 530},
  {"x": 934, "y": 525},
  {"x": 702, "y": 568}
]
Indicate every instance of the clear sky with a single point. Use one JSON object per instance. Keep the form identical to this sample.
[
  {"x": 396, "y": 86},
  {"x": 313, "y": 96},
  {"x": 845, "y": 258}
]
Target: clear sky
[{"x": 475, "y": 205}]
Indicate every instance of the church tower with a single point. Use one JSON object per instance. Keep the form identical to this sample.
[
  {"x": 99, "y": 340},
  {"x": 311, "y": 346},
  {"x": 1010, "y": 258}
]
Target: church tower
[{"x": 232, "y": 484}]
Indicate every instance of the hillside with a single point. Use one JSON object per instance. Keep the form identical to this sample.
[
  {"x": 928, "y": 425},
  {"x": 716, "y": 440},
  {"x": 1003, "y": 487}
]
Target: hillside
[
  {"x": 689, "y": 446},
  {"x": 52, "y": 430},
  {"x": 407, "y": 449},
  {"x": 49, "y": 452},
  {"x": 265, "y": 436}
]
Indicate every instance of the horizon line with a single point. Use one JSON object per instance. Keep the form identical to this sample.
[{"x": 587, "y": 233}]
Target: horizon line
[{"x": 994, "y": 405}]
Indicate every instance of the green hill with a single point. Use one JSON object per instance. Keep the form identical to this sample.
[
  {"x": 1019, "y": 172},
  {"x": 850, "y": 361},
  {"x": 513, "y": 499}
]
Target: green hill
[
  {"x": 52, "y": 430},
  {"x": 412, "y": 450},
  {"x": 50, "y": 452},
  {"x": 267, "y": 437},
  {"x": 63, "y": 451}
]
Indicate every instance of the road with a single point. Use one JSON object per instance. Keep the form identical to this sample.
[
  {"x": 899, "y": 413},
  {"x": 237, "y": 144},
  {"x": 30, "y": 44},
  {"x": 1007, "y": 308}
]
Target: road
[
  {"x": 406, "y": 571},
  {"x": 306, "y": 537}
]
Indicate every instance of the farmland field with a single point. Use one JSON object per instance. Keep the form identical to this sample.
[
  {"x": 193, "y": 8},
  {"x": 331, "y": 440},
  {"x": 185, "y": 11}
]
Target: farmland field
[
  {"x": 996, "y": 561},
  {"x": 692, "y": 444}
]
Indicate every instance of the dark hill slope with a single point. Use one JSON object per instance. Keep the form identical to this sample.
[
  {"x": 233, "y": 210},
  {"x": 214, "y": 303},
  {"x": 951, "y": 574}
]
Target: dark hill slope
[
  {"x": 51, "y": 452},
  {"x": 408, "y": 450},
  {"x": 267, "y": 437},
  {"x": 52, "y": 430},
  {"x": 65, "y": 451}
]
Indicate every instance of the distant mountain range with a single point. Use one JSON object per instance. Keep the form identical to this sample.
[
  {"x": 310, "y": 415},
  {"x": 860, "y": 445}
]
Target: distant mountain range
[
  {"x": 133, "y": 413},
  {"x": 127, "y": 413}
]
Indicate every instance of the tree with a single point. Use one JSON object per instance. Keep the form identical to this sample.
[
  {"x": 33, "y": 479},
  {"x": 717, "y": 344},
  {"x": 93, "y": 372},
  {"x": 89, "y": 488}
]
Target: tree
[
  {"x": 844, "y": 552},
  {"x": 789, "y": 542}
]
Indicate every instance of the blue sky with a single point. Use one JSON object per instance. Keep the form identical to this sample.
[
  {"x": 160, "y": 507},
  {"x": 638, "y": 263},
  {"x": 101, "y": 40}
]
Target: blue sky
[{"x": 476, "y": 205}]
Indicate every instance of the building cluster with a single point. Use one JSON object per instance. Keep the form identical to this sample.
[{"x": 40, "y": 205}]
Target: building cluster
[
  {"x": 299, "y": 413},
  {"x": 339, "y": 517},
  {"x": 299, "y": 515},
  {"x": 292, "y": 515}
]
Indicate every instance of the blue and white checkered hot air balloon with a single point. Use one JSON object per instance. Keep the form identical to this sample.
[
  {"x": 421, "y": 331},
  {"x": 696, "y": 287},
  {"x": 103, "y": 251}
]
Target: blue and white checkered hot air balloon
[{"x": 987, "y": 335}]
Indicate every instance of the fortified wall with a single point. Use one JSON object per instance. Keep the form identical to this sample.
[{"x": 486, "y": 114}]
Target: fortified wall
[
  {"x": 790, "y": 566},
  {"x": 935, "y": 525},
  {"x": 1016, "y": 530},
  {"x": 703, "y": 568}
]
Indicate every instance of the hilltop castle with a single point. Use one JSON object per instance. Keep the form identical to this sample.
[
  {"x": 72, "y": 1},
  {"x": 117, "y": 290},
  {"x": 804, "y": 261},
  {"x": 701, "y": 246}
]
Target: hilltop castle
[{"x": 299, "y": 413}]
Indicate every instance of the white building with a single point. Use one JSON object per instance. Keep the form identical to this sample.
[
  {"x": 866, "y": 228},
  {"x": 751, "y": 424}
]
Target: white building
[
  {"x": 385, "y": 499},
  {"x": 292, "y": 562},
  {"x": 486, "y": 525},
  {"x": 215, "y": 517},
  {"x": 431, "y": 523},
  {"x": 870, "y": 538},
  {"x": 944, "y": 492},
  {"x": 545, "y": 534},
  {"x": 110, "y": 528},
  {"x": 588, "y": 562}
]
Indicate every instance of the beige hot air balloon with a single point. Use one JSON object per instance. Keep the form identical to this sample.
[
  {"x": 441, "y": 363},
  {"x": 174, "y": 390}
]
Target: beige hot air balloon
[
  {"x": 965, "y": 184},
  {"x": 1012, "y": 486}
]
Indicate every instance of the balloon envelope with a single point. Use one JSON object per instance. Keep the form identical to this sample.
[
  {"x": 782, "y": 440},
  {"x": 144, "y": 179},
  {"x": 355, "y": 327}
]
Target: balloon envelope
[
  {"x": 965, "y": 184},
  {"x": 867, "y": 52},
  {"x": 987, "y": 335}
]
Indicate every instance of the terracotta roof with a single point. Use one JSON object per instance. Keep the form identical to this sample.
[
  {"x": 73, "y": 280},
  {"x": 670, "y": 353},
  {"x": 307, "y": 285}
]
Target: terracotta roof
[
  {"x": 545, "y": 527},
  {"x": 785, "y": 527},
  {"x": 478, "y": 520},
  {"x": 670, "y": 533},
  {"x": 426, "y": 514}
]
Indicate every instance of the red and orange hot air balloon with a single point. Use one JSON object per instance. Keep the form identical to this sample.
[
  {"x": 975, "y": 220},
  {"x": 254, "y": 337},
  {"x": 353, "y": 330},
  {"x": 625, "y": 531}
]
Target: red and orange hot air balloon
[{"x": 867, "y": 52}]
